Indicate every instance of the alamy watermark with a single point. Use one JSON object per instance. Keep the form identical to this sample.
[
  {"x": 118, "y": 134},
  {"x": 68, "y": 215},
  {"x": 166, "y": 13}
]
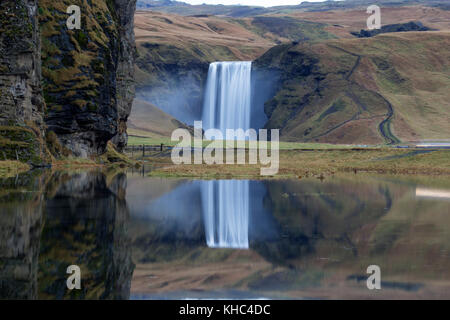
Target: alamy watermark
[
  {"x": 374, "y": 280},
  {"x": 74, "y": 21},
  {"x": 234, "y": 140},
  {"x": 374, "y": 20},
  {"x": 74, "y": 280}
]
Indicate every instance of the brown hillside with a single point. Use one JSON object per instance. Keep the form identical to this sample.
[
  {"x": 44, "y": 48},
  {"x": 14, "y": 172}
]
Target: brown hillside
[
  {"x": 148, "y": 120},
  {"x": 334, "y": 87}
]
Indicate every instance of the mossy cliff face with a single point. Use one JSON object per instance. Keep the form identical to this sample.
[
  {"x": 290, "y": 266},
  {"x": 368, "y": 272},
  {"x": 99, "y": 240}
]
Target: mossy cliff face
[
  {"x": 86, "y": 77},
  {"x": 125, "y": 70},
  {"x": 88, "y": 73},
  {"x": 21, "y": 102}
]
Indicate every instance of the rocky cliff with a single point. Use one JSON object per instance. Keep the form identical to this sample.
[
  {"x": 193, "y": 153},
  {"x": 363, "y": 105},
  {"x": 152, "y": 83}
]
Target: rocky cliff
[
  {"x": 85, "y": 91},
  {"x": 125, "y": 70},
  {"x": 21, "y": 103},
  {"x": 88, "y": 73}
]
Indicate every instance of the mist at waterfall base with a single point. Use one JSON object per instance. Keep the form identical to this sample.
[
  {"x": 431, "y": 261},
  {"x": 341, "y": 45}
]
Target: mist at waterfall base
[
  {"x": 235, "y": 84},
  {"x": 179, "y": 96},
  {"x": 230, "y": 213},
  {"x": 235, "y": 95}
]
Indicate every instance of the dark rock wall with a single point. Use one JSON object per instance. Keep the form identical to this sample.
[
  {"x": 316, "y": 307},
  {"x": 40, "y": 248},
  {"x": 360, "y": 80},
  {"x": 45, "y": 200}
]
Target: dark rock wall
[
  {"x": 21, "y": 102},
  {"x": 79, "y": 85},
  {"x": 125, "y": 70},
  {"x": 20, "y": 91},
  {"x": 88, "y": 73}
]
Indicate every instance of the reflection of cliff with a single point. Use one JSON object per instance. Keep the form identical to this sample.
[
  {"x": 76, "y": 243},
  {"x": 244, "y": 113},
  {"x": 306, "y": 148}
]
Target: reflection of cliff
[
  {"x": 86, "y": 225},
  {"x": 20, "y": 230},
  {"x": 83, "y": 221}
]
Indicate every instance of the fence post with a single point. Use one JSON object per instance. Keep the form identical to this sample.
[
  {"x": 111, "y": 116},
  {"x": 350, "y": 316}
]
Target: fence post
[{"x": 143, "y": 151}]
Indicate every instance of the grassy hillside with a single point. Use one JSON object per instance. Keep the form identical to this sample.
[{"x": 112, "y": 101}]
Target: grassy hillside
[
  {"x": 174, "y": 56},
  {"x": 383, "y": 89},
  {"x": 181, "y": 8},
  {"x": 334, "y": 87},
  {"x": 175, "y": 52},
  {"x": 149, "y": 121}
]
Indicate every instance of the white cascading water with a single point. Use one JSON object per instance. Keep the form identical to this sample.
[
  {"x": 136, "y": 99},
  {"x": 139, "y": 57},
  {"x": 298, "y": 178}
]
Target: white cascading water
[
  {"x": 227, "y": 102},
  {"x": 226, "y": 209},
  {"x": 227, "y": 106}
]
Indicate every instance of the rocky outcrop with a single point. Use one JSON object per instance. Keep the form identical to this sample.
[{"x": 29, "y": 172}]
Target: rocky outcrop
[
  {"x": 87, "y": 77},
  {"x": 125, "y": 70},
  {"x": 88, "y": 73},
  {"x": 21, "y": 102},
  {"x": 19, "y": 63},
  {"x": 400, "y": 27}
]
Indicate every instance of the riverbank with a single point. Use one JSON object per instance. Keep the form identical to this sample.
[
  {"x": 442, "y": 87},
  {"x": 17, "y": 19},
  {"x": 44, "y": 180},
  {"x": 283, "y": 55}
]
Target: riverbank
[
  {"x": 111, "y": 158},
  {"x": 315, "y": 163}
]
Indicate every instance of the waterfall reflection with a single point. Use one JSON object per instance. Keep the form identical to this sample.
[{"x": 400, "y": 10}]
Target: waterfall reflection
[
  {"x": 220, "y": 213},
  {"x": 226, "y": 209}
]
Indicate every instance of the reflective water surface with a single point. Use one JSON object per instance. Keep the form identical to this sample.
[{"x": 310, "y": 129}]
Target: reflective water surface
[{"x": 136, "y": 237}]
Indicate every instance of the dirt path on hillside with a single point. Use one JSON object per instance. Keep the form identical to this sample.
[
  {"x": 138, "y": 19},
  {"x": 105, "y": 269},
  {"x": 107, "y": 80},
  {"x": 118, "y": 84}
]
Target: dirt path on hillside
[{"x": 385, "y": 126}]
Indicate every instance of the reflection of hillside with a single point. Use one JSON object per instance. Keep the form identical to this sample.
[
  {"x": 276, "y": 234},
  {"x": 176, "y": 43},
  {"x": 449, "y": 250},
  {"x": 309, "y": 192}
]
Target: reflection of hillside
[
  {"x": 327, "y": 233},
  {"x": 348, "y": 225}
]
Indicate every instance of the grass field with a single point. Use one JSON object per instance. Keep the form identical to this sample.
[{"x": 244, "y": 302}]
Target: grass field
[
  {"x": 318, "y": 163},
  {"x": 156, "y": 141}
]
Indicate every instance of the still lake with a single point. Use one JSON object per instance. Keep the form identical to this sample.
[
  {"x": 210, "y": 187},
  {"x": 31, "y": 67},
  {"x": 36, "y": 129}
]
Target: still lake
[{"x": 137, "y": 237}]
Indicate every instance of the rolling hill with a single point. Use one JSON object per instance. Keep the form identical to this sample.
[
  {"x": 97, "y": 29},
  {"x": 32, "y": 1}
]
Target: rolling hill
[
  {"x": 240, "y": 11},
  {"x": 146, "y": 120},
  {"x": 334, "y": 87},
  {"x": 388, "y": 88}
]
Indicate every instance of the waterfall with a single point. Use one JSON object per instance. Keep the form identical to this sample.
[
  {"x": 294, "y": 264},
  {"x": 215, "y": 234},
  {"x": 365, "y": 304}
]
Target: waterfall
[
  {"x": 227, "y": 103},
  {"x": 226, "y": 209}
]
